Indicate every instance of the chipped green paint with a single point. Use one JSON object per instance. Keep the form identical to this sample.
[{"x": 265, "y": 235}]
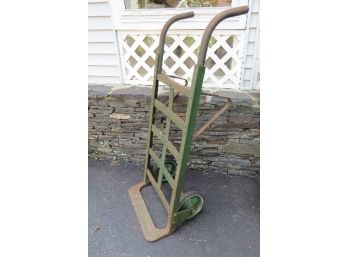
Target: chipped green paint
[{"x": 178, "y": 210}]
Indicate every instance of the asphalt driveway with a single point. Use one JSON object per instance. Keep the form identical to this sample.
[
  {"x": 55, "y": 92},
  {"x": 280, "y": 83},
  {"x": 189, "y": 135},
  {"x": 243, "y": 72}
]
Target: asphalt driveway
[{"x": 229, "y": 224}]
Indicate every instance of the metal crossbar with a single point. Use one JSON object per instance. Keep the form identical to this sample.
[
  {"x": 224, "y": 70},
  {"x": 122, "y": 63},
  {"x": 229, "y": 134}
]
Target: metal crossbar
[
  {"x": 164, "y": 140},
  {"x": 158, "y": 190},
  {"x": 166, "y": 132},
  {"x": 162, "y": 167},
  {"x": 173, "y": 84},
  {"x": 170, "y": 114}
]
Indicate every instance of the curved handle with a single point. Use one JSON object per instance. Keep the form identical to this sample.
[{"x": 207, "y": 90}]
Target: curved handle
[
  {"x": 166, "y": 26},
  {"x": 212, "y": 25}
]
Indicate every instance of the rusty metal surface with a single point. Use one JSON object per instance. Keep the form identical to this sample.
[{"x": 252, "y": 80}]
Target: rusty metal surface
[
  {"x": 175, "y": 217},
  {"x": 212, "y": 25},
  {"x": 150, "y": 231},
  {"x": 212, "y": 119},
  {"x": 183, "y": 89},
  {"x": 165, "y": 28},
  {"x": 158, "y": 70}
]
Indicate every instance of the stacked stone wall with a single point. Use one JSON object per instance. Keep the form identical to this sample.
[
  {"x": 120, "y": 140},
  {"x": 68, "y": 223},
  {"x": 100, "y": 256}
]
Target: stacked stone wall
[{"x": 118, "y": 129}]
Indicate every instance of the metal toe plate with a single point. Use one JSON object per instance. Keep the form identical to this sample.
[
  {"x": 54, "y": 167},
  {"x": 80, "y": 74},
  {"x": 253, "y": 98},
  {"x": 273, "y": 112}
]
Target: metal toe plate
[{"x": 150, "y": 231}]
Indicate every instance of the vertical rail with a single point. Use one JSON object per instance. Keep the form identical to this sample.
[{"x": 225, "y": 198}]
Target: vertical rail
[
  {"x": 192, "y": 107},
  {"x": 191, "y": 112},
  {"x": 158, "y": 70},
  {"x": 166, "y": 133}
]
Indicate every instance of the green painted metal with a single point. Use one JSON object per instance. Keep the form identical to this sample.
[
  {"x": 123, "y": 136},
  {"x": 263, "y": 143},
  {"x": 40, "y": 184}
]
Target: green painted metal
[
  {"x": 191, "y": 112},
  {"x": 192, "y": 201},
  {"x": 171, "y": 116},
  {"x": 164, "y": 139},
  {"x": 158, "y": 190},
  {"x": 176, "y": 119},
  {"x": 162, "y": 166},
  {"x": 178, "y": 209}
]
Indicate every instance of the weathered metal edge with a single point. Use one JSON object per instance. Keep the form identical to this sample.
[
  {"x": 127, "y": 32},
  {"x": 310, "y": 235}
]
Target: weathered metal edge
[{"x": 150, "y": 231}]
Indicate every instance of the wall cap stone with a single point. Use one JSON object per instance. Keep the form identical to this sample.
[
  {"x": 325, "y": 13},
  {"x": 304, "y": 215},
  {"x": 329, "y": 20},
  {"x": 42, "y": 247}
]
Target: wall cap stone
[
  {"x": 238, "y": 97},
  {"x": 99, "y": 90},
  {"x": 132, "y": 91}
]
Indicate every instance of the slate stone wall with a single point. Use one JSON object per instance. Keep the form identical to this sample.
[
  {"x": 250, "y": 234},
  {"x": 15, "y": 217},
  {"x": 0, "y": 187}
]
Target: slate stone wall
[{"x": 118, "y": 125}]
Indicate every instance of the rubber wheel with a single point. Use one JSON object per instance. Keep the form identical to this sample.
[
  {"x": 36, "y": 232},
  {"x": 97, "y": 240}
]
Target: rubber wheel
[
  {"x": 153, "y": 168},
  {"x": 169, "y": 163},
  {"x": 191, "y": 200}
]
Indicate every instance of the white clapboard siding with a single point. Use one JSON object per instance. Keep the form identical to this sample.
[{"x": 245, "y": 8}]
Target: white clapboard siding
[
  {"x": 100, "y": 9},
  {"x": 106, "y": 71},
  {"x": 103, "y": 57},
  {"x": 251, "y": 56},
  {"x": 102, "y": 48},
  {"x": 99, "y": 36},
  {"x": 99, "y": 23},
  {"x": 93, "y": 80}
]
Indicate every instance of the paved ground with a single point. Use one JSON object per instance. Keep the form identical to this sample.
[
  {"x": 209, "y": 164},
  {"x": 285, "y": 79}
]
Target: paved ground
[{"x": 229, "y": 224}]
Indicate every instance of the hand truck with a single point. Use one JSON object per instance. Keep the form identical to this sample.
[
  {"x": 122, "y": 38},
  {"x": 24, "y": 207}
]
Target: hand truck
[{"x": 171, "y": 167}]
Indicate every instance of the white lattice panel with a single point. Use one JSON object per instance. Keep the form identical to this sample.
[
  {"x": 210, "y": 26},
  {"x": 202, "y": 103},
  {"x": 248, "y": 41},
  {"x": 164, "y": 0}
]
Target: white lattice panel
[{"x": 223, "y": 62}]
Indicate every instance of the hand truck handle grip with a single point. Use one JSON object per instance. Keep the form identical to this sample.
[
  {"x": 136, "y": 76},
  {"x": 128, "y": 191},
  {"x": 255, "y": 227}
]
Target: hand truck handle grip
[
  {"x": 212, "y": 25},
  {"x": 182, "y": 16},
  {"x": 166, "y": 26}
]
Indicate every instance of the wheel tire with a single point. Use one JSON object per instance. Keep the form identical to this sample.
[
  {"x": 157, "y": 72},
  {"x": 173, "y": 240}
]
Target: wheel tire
[
  {"x": 169, "y": 163},
  {"x": 191, "y": 200},
  {"x": 153, "y": 169}
]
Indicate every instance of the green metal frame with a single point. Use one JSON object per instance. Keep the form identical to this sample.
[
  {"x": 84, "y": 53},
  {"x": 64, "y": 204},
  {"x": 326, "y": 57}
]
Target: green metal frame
[{"x": 174, "y": 218}]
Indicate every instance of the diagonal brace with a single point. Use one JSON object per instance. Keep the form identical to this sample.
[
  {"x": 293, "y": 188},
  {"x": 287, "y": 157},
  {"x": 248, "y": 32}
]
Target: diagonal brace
[{"x": 212, "y": 119}]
